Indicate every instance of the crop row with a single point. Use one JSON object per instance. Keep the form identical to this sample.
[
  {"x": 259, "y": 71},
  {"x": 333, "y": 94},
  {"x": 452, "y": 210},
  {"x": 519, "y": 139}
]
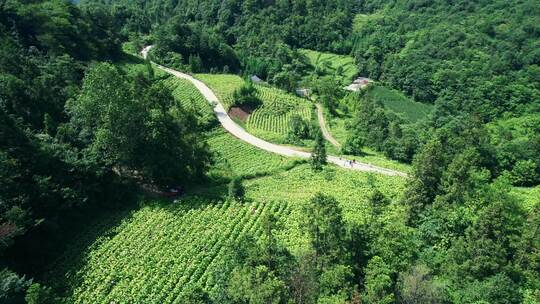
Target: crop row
[
  {"x": 276, "y": 111},
  {"x": 236, "y": 157},
  {"x": 267, "y": 121},
  {"x": 163, "y": 249},
  {"x": 190, "y": 98},
  {"x": 223, "y": 85}
]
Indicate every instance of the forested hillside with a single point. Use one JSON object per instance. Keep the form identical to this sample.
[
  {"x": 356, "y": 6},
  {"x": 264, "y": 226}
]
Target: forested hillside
[
  {"x": 265, "y": 35},
  {"x": 74, "y": 132},
  {"x": 119, "y": 185},
  {"x": 476, "y": 61}
]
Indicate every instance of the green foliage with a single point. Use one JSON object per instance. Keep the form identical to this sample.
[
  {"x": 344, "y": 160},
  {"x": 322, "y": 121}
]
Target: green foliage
[
  {"x": 324, "y": 225},
  {"x": 318, "y": 155},
  {"x": 418, "y": 286},
  {"x": 497, "y": 289},
  {"x": 329, "y": 92},
  {"x": 133, "y": 128},
  {"x": 204, "y": 50},
  {"x": 335, "y": 282},
  {"x": 353, "y": 145},
  {"x": 257, "y": 286},
  {"x": 517, "y": 147},
  {"x": 246, "y": 96},
  {"x": 195, "y": 295},
  {"x": 379, "y": 129},
  {"x": 298, "y": 129},
  {"x": 12, "y": 286},
  {"x": 59, "y": 27},
  {"x": 432, "y": 60},
  {"x": 45, "y": 47},
  {"x": 38, "y": 294},
  {"x": 236, "y": 189},
  {"x": 525, "y": 173},
  {"x": 405, "y": 46},
  {"x": 378, "y": 282}
]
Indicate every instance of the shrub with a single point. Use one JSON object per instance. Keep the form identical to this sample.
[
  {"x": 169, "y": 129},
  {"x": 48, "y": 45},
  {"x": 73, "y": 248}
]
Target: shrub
[
  {"x": 236, "y": 189},
  {"x": 246, "y": 96},
  {"x": 353, "y": 145},
  {"x": 524, "y": 173}
]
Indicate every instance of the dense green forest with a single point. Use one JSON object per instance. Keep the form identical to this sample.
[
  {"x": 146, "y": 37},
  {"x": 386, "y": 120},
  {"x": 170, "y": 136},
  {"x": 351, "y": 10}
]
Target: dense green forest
[
  {"x": 90, "y": 135},
  {"x": 474, "y": 60},
  {"x": 74, "y": 131}
]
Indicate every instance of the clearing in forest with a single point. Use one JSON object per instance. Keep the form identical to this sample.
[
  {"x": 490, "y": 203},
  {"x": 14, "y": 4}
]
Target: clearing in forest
[
  {"x": 270, "y": 121},
  {"x": 341, "y": 66},
  {"x": 406, "y": 108}
]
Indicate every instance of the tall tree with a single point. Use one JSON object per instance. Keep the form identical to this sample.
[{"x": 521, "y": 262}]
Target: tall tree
[
  {"x": 378, "y": 282},
  {"x": 326, "y": 230},
  {"x": 318, "y": 155}
]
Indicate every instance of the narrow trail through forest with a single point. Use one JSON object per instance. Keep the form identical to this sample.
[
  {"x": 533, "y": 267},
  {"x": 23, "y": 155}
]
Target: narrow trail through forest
[{"x": 233, "y": 128}]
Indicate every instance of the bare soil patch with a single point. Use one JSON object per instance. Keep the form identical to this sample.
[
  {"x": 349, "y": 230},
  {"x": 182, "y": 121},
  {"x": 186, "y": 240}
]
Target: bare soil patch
[{"x": 242, "y": 113}]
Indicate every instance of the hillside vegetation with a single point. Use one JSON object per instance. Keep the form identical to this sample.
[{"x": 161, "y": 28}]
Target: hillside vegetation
[
  {"x": 118, "y": 185},
  {"x": 342, "y": 67},
  {"x": 153, "y": 248},
  {"x": 399, "y": 104}
]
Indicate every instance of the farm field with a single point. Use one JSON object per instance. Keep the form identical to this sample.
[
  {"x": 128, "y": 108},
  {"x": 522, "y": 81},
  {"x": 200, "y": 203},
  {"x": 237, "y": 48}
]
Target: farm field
[
  {"x": 348, "y": 187},
  {"x": 191, "y": 99},
  {"x": 271, "y": 120},
  {"x": 223, "y": 86},
  {"x": 400, "y": 104},
  {"x": 342, "y": 66},
  {"x": 237, "y": 158},
  {"x": 162, "y": 249}
]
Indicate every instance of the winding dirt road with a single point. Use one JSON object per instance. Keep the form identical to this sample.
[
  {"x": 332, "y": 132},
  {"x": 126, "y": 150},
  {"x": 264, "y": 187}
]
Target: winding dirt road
[
  {"x": 322, "y": 123},
  {"x": 240, "y": 133}
]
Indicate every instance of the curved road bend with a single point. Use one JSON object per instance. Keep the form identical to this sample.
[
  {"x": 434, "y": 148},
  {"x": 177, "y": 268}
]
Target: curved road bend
[{"x": 240, "y": 133}]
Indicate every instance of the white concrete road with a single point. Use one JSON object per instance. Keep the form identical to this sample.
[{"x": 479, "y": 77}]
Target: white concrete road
[{"x": 240, "y": 133}]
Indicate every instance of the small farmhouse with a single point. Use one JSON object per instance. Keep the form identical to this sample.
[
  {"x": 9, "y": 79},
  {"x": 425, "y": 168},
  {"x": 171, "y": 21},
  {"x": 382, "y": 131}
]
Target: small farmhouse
[
  {"x": 255, "y": 79},
  {"x": 358, "y": 84},
  {"x": 302, "y": 92}
]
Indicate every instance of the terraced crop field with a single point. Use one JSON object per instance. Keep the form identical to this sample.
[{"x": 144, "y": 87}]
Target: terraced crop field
[
  {"x": 161, "y": 250},
  {"x": 278, "y": 107},
  {"x": 156, "y": 253},
  {"x": 237, "y": 158},
  {"x": 190, "y": 98},
  {"x": 332, "y": 63},
  {"x": 271, "y": 120},
  {"x": 223, "y": 86},
  {"x": 350, "y": 188}
]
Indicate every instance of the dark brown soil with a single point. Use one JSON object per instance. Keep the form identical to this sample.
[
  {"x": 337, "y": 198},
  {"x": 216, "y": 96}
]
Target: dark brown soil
[{"x": 241, "y": 113}]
